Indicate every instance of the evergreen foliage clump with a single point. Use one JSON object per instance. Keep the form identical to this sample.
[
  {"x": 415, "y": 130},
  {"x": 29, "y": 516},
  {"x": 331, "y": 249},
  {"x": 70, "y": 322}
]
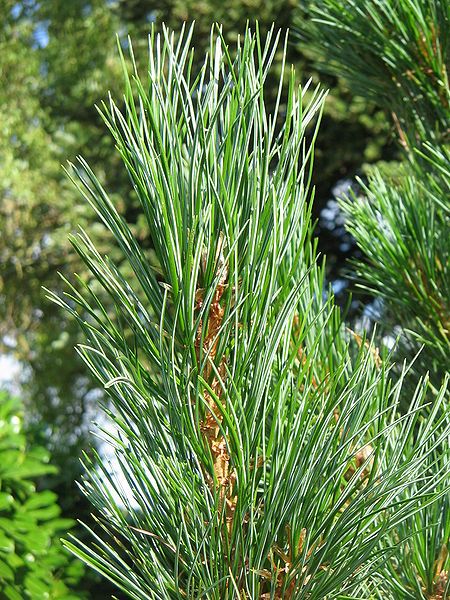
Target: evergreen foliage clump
[
  {"x": 398, "y": 52},
  {"x": 402, "y": 228},
  {"x": 394, "y": 51},
  {"x": 264, "y": 450},
  {"x": 57, "y": 58}
]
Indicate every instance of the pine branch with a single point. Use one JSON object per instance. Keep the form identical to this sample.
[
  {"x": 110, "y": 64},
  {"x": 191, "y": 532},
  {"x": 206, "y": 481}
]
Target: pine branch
[{"x": 263, "y": 449}]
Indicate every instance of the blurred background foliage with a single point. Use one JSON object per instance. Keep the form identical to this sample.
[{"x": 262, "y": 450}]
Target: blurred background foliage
[
  {"x": 32, "y": 562},
  {"x": 57, "y": 60}
]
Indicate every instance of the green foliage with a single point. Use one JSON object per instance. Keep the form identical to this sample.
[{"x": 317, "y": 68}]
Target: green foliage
[
  {"x": 31, "y": 202},
  {"x": 262, "y": 444},
  {"x": 393, "y": 51},
  {"x": 57, "y": 60},
  {"x": 401, "y": 226},
  {"x": 398, "y": 52},
  {"x": 351, "y": 123},
  {"x": 32, "y": 561},
  {"x": 37, "y": 212},
  {"x": 419, "y": 566}
]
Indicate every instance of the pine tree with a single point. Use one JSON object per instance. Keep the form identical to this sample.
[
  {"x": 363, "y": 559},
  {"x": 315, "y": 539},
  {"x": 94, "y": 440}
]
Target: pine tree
[
  {"x": 398, "y": 53},
  {"x": 262, "y": 444}
]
